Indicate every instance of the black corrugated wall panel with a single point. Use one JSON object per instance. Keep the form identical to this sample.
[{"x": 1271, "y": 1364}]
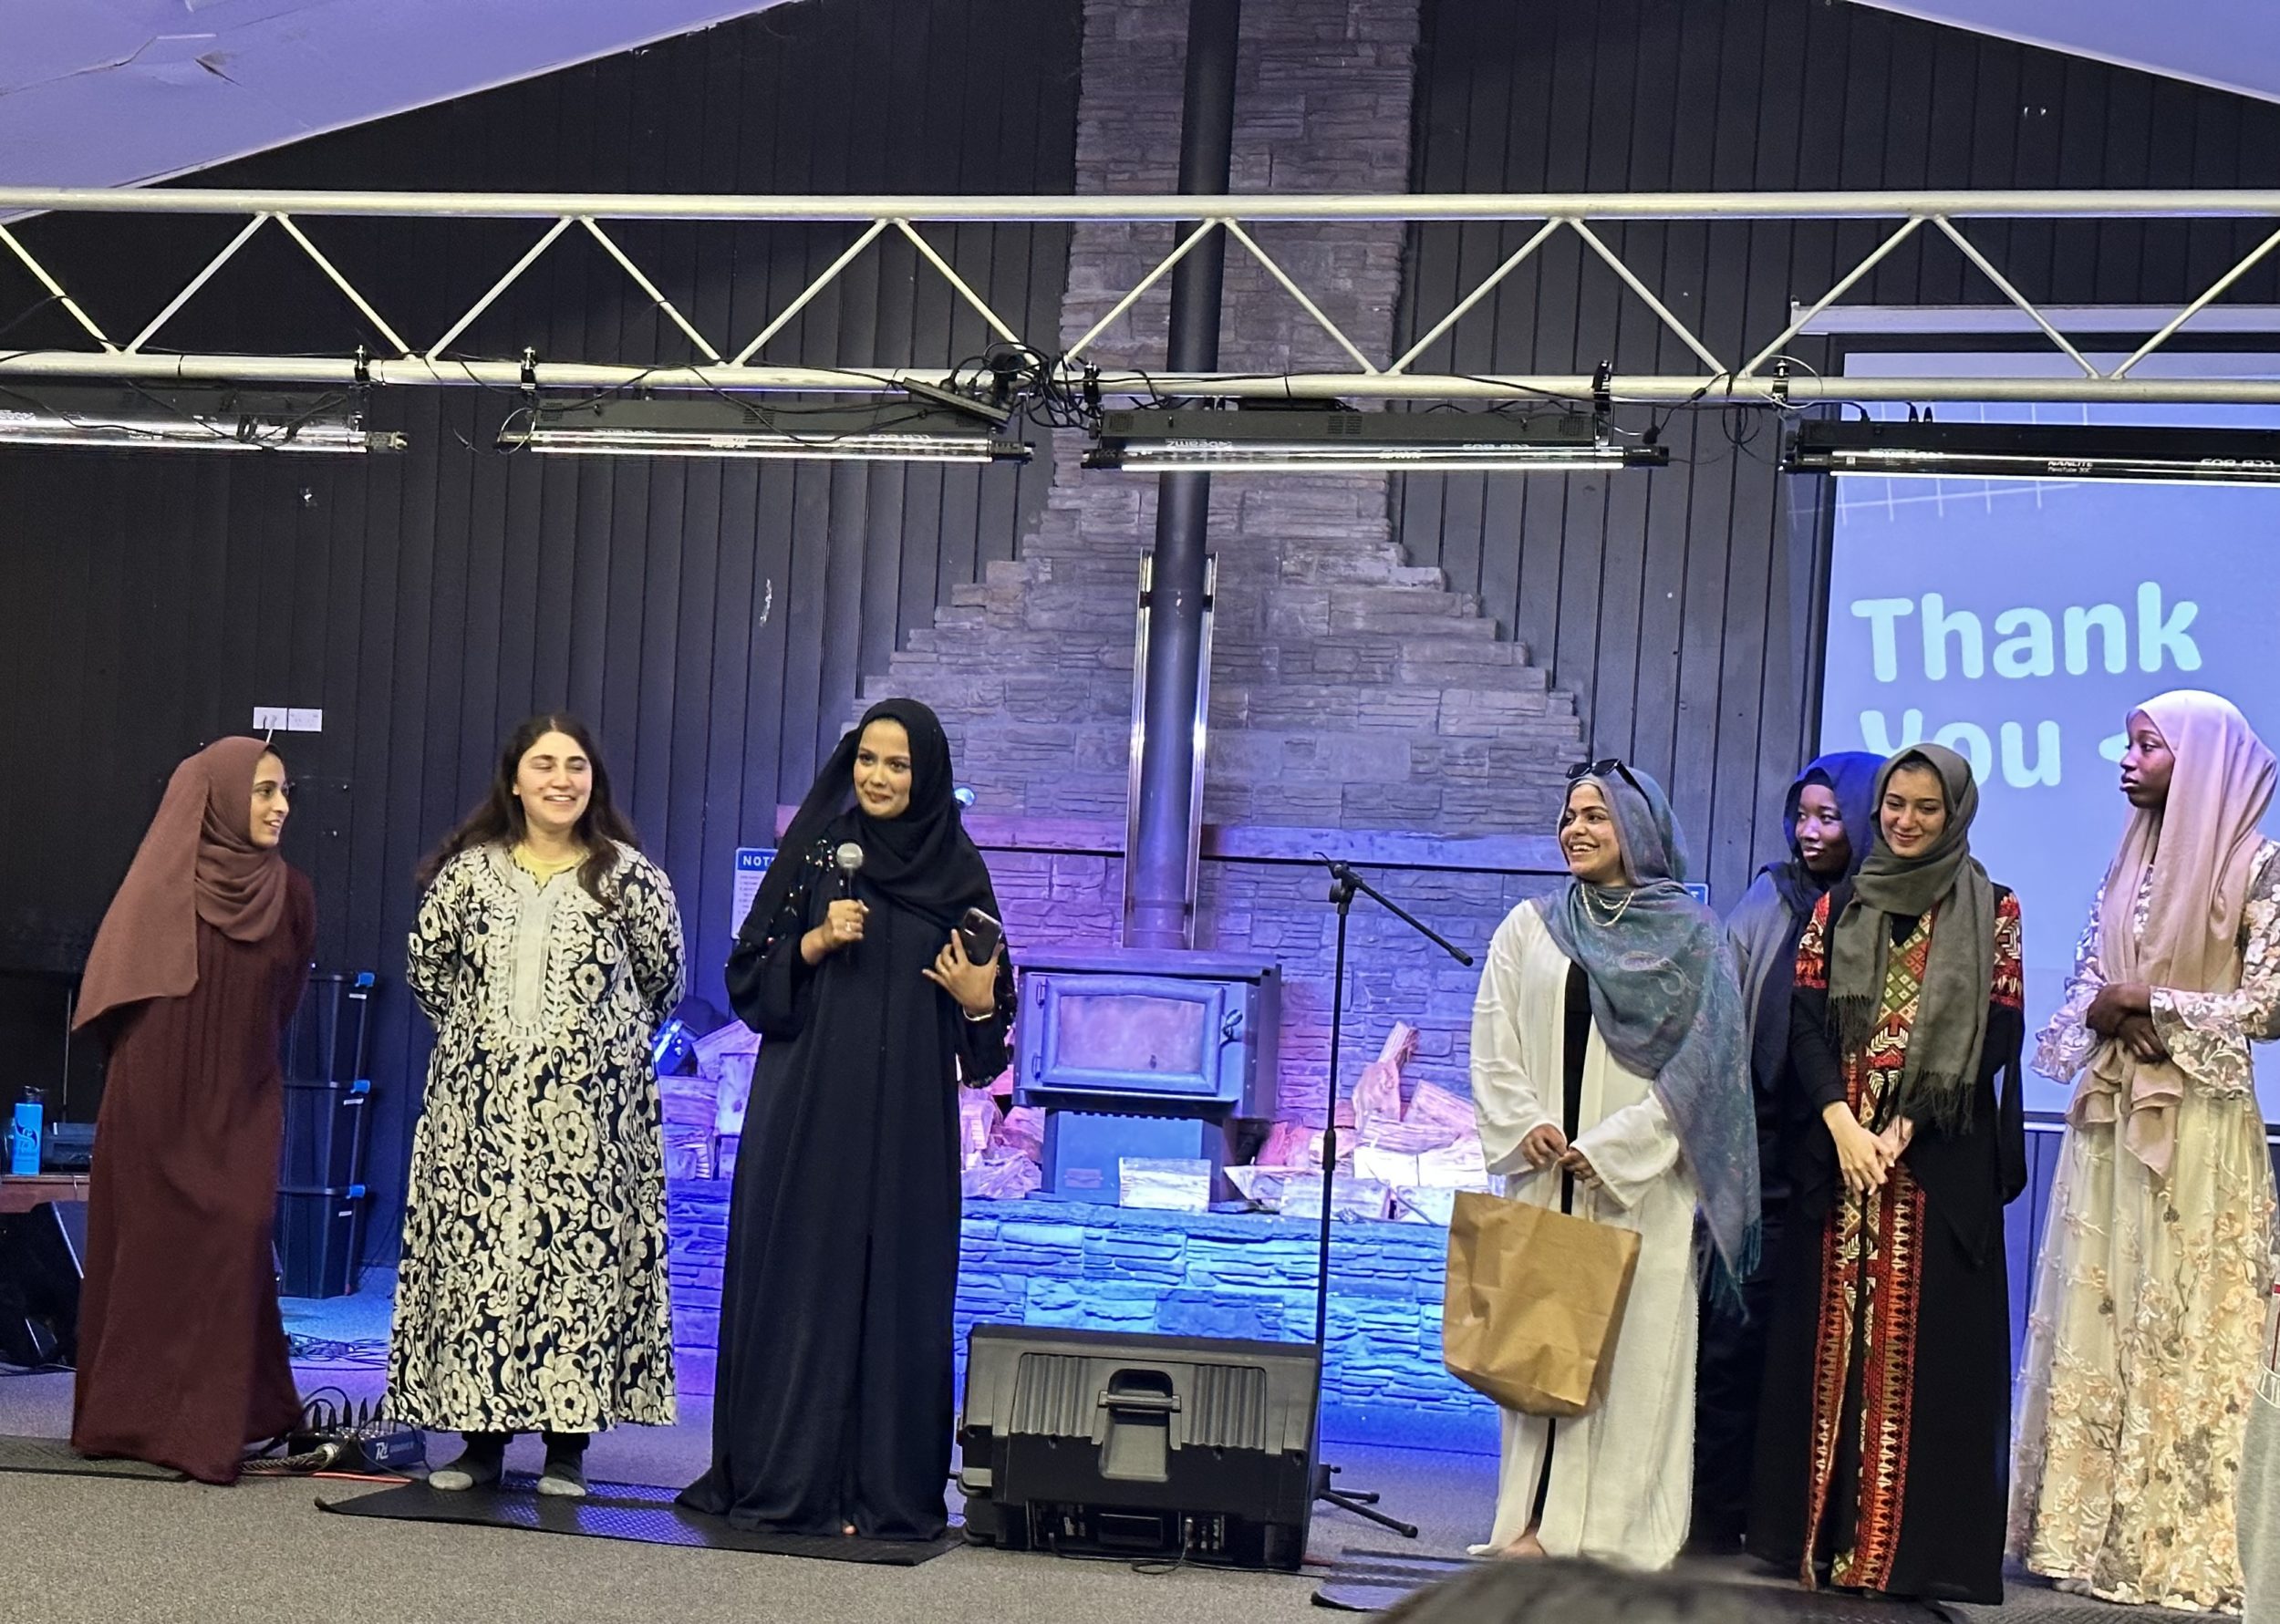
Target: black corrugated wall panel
[
  {"x": 428, "y": 602},
  {"x": 1679, "y": 604}
]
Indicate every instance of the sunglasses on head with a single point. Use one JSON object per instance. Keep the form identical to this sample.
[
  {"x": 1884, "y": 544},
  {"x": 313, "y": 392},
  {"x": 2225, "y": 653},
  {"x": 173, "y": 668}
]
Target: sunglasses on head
[{"x": 1602, "y": 768}]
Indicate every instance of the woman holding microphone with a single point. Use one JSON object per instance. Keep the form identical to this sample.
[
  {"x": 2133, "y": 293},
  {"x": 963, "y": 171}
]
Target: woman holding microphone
[{"x": 872, "y": 966}]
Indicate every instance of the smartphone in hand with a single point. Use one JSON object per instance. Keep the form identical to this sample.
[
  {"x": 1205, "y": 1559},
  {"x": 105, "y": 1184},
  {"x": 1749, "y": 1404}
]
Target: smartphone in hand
[{"x": 981, "y": 935}]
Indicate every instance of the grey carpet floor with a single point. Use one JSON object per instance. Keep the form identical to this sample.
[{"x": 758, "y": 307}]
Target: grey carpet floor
[
  {"x": 2028, "y": 1600},
  {"x": 110, "y": 1550},
  {"x": 119, "y": 1551}
]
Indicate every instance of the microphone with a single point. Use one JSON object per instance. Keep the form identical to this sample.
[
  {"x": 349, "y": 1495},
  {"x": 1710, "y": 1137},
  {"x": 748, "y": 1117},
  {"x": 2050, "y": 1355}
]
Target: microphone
[{"x": 849, "y": 857}]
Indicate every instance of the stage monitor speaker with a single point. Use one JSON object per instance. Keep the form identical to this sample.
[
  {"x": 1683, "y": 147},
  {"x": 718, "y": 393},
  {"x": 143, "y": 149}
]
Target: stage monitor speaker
[
  {"x": 42, "y": 1260},
  {"x": 1085, "y": 1442}
]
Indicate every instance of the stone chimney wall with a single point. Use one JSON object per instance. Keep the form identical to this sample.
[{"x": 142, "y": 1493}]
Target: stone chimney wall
[{"x": 1353, "y": 697}]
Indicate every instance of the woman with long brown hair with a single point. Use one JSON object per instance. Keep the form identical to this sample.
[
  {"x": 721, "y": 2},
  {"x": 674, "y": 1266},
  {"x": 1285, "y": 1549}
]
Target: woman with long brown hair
[
  {"x": 547, "y": 952},
  {"x": 195, "y": 976}
]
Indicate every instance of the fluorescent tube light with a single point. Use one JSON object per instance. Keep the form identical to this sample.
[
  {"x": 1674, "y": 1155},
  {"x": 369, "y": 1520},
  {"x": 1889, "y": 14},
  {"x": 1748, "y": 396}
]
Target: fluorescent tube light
[
  {"x": 1298, "y": 441},
  {"x": 2037, "y": 451},
  {"x": 186, "y": 420},
  {"x": 714, "y": 426}
]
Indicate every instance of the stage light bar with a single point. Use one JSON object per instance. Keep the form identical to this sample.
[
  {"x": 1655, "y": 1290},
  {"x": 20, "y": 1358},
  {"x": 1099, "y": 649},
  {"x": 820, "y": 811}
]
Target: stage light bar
[
  {"x": 720, "y": 426},
  {"x": 1298, "y": 441},
  {"x": 2036, "y": 452},
  {"x": 186, "y": 420}
]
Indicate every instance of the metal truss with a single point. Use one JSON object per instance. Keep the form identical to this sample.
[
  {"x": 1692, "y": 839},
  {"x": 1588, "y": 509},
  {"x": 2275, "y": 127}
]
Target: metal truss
[{"x": 1762, "y": 377}]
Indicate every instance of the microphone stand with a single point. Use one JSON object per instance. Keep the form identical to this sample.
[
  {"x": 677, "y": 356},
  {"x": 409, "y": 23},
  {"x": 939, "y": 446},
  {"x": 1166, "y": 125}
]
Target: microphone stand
[{"x": 1343, "y": 884}]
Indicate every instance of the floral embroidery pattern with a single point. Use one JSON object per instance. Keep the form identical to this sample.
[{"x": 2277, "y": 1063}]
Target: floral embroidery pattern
[{"x": 2145, "y": 1339}]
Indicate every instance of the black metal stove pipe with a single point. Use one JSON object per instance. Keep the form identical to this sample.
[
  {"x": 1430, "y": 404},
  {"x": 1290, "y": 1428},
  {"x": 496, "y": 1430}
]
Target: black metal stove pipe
[{"x": 1156, "y": 915}]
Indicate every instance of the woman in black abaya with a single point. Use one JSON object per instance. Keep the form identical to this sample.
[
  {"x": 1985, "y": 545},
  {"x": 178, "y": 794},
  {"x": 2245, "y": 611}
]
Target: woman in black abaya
[{"x": 832, "y": 1413}]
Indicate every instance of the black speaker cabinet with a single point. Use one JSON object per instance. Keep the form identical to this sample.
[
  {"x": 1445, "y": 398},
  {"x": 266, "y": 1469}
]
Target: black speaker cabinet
[
  {"x": 327, "y": 1041},
  {"x": 41, "y": 1264},
  {"x": 1094, "y": 1443}
]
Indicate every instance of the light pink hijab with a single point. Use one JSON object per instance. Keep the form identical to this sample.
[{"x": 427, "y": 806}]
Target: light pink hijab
[{"x": 2200, "y": 846}]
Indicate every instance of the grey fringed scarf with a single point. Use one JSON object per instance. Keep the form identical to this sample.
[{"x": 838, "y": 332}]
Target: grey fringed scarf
[{"x": 1937, "y": 1083}]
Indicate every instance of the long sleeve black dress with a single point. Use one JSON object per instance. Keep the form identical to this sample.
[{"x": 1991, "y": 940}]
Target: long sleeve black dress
[
  {"x": 1884, "y": 1443},
  {"x": 835, "y": 1404}
]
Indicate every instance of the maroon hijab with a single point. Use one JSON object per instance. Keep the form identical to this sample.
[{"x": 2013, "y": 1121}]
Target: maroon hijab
[{"x": 198, "y": 861}]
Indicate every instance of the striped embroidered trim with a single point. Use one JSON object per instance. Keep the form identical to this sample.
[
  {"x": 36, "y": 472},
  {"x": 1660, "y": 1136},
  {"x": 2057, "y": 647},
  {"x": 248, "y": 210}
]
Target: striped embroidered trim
[
  {"x": 1895, "y": 1275},
  {"x": 1833, "y": 1351},
  {"x": 1871, "y": 1275}
]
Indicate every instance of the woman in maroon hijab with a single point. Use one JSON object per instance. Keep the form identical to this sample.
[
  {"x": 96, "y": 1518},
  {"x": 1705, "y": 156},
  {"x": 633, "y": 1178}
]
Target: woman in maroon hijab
[{"x": 198, "y": 968}]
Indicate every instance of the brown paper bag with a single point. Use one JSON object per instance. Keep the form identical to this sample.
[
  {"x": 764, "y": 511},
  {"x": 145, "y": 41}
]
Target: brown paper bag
[{"x": 1534, "y": 1303}]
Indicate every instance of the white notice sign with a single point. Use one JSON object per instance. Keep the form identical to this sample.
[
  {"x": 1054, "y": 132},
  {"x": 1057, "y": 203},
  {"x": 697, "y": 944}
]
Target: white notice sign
[{"x": 751, "y": 863}]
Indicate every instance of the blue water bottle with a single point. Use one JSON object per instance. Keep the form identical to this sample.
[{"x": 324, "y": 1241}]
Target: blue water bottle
[{"x": 24, "y": 1136}]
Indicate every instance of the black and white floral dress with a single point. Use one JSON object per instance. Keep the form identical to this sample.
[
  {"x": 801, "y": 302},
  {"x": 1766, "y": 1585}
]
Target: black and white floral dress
[{"x": 532, "y": 1294}]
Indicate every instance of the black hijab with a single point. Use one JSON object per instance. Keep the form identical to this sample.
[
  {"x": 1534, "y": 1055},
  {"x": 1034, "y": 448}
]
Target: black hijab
[
  {"x": 1850, "y": 777},
  {"x": 923, "y": 860}
]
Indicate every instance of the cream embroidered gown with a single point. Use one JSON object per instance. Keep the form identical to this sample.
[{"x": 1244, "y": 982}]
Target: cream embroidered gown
[
  {"x": 2144, "y": 1344},
  {"x": 1622, "y": 1476},
  {"x": 532, "y": 1296}
]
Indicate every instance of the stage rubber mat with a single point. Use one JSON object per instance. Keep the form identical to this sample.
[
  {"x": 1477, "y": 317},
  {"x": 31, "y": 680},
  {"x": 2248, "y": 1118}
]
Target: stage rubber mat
[
  {"x": 637, "y": 1512},
  {"x": 55, "y": 1456}
]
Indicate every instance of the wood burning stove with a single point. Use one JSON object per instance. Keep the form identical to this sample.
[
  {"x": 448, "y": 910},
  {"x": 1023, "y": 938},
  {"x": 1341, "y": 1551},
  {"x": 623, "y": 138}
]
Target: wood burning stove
[{"x": 1143, "y": 1054}]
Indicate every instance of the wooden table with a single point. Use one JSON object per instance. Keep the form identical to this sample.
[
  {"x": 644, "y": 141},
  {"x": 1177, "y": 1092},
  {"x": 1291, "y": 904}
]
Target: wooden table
[{"x": 22, "y": 1195}]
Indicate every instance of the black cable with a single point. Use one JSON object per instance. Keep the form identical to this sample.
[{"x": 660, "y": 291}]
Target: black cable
[
  {"x": 315, "y": 1460},
  {"x": 347, "y": 1356},
  {"x": 1152, "y": 1567},
  {"x": 25, "y": 315},
  {"x": 286, "y": 426},
  {"x": 1038, "y": 388},
  {"x": 1553, "y": 395}
]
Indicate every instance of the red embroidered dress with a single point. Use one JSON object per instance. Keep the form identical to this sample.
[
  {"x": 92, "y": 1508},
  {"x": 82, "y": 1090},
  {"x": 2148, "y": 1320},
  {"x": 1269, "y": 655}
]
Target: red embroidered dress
[{"x": 1889, "y": 1360}]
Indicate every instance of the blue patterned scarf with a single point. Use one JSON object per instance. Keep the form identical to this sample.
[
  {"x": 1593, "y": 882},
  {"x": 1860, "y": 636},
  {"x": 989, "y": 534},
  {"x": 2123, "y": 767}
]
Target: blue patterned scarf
[{"x": 1668, "y": 1007}]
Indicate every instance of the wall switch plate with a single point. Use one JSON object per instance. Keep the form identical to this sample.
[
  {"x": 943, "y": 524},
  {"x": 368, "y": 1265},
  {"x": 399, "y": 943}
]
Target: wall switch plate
[
  {"x": 305, "y": 721},
  {"x": 270, "y": 718}
]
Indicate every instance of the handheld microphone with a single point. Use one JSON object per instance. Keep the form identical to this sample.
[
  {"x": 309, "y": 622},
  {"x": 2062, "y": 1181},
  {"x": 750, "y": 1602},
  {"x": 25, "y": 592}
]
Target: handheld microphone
[{"x": 849, "y": 857}]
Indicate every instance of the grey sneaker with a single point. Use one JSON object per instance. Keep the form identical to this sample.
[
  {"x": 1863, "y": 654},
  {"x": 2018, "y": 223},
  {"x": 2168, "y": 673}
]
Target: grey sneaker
[
  {"x": 470, "y": 1471},
  {"x": 564, "y": 1477}
]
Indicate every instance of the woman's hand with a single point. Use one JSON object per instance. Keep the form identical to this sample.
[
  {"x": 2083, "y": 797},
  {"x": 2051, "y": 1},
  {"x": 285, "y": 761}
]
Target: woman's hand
[
  {"x": 1544, "y": 1145},
  {"x": 974, "y": 985},
  {"x": 1861, "y": 1154},
  {"x": 2139, "y": 1035},
  {"x": 842, "y": 928},
  {"x": 1895, "y": 1137},
  {"x": 1574, "y": 1161},
  {"x": 2115, "y": 1003}
]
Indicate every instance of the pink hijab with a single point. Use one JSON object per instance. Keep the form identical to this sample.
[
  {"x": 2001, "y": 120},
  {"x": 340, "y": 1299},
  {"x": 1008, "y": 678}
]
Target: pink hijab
[
  {"x": 2200, "y": 846},
  {"x": 198, "y": 861}
]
